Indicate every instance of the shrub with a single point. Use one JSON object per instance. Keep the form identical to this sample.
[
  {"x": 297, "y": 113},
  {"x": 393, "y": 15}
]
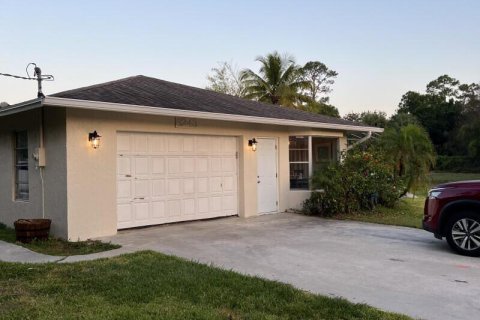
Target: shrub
[{"x": 360, "y": 181}]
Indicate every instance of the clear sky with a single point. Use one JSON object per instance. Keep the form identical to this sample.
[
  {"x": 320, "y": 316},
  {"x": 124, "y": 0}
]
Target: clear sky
[{"x": 381, "y": 49}]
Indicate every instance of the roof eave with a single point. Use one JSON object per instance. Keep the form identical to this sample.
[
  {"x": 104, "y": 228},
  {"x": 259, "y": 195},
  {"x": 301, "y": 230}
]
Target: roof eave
[
  {"x": 129, "y": 108},
  {"x": 21, "y": 107}
]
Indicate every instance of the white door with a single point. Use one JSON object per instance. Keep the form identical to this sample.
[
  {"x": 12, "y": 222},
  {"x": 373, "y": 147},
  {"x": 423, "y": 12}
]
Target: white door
[
  {"x": 164, "y": 178},
  {"x": 267, "y": 177}
]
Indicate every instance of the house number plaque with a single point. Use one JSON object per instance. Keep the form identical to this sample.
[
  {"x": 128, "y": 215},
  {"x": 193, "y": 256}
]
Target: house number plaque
[{"x": 185, "y": 122}]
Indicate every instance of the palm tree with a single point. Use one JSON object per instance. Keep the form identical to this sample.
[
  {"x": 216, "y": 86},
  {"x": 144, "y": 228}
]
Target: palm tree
[
  {"x": 412, "y": 152},
  {"x": 278, "y": 81}
]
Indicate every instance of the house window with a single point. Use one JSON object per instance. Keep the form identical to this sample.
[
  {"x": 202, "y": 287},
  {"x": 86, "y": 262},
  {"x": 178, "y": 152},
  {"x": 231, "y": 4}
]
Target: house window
[
  {"x": 299, "y": 155},
  {"x": 21, "y": 165}
]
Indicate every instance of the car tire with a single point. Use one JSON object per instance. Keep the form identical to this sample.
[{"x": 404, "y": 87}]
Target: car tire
[{"x": 463, "y": 233}]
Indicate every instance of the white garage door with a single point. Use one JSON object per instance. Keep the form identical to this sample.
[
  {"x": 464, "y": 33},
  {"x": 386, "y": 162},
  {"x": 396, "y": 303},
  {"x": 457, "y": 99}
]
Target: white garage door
[{"x": 163, "y": 178}]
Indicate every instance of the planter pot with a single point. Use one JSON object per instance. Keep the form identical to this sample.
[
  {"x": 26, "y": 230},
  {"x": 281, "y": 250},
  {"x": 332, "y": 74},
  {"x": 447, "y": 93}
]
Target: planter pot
[{"x": 28, "y": 229}]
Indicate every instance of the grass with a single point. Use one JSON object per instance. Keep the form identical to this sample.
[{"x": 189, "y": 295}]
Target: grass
[
  {"x": 443, "y": 177},
  {"x": 408, "y": 212},
  {"x": 149, "y": 285},
  {"x": 57, "y": 247}
]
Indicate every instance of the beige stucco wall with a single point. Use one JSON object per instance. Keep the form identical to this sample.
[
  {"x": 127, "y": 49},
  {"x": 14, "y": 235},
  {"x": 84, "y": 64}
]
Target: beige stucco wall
[
  {"x": 91, "y": 174},
  {"x": 55, "y": 171}
]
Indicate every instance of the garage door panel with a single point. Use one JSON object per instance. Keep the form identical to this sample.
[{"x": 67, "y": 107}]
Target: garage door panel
[
  {"x": 203, "y": 205},
  {"x": 188, "y": 145},
  {"x": 174, "y": 208},
  {"x": 216, "y": 164},
  {"x": 229, "y": 184},
  {"x": 123, "y": 142},
  {"x": 202, "y": 185},
  {"x": 164, "y": 178},
  {"x": 189, "y": 186},
  {"x": 201, "y": 165},
  {"x": 157, "y": 165},
  {"x": 124, "y": 166},
  {"x": 124, "y": 190},
  {"x": 228, "y": 165},
  {"x": 157, "y": 144},
  {"x": 188, "y": 165},
  {"x": 202, "y": 145},
  {"x": 174, "y": 166},
  {"x": 229, "y": 146},
  {"x": 215, "y": 204},
  {"x": 175, "y": 144},
  {"x": 141, "y": 188},
  {"x": 124, "y": 213},
  {"x": 141, "y": 211},
  {"x": 158, "y": 209},
  {"x": 140, "y": 144},
  {"x": 188, "y": 207},
  {"x": 158, "y": 188},
  {"x": 141, "y": 166},
  {"x": 215, "y": 184}
]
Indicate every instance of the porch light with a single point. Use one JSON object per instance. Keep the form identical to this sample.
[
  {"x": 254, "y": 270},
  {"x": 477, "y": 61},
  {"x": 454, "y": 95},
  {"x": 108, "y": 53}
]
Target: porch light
[
  {"x": 253, "y": 143},
  {"x": 94, "y": 139}
]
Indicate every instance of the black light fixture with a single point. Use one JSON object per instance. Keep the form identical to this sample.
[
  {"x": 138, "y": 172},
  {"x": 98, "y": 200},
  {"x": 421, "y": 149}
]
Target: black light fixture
[
  {"x": 94, "y": 139},
  {"x": 253, "y": 143}
]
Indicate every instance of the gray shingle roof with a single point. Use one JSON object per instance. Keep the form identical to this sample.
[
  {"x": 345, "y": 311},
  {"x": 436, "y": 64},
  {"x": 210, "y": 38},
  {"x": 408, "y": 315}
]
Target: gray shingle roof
[{"x": 152, "y": 92}]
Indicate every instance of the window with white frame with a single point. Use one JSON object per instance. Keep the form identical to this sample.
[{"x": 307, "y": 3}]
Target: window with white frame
[
  {"x": 21, "y": 166},
  {"x": 308, "y": 154},
  {"x": 299, "y": 157}
]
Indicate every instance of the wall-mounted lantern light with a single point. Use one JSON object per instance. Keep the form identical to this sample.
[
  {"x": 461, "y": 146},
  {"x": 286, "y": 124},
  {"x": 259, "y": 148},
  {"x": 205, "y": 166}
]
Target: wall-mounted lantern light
[
  {"x": 94, "y": 139},
  {"x": 253, "y": 143}
]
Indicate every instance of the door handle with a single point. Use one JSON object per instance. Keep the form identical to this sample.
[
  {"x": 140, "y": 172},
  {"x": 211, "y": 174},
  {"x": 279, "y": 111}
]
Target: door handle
[{"x": 258, "y": 181}]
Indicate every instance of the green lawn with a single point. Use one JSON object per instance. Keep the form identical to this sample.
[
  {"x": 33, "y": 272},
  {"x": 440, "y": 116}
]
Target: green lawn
[
  {"x": 57, "y": 247},
  {"x": 408, "y": 212},
  {"x": 442, "y": 177},
  {"x": 149, "y": 285}
]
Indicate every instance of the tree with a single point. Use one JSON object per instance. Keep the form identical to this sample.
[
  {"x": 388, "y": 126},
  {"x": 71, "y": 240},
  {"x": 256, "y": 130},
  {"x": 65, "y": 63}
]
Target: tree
[
  {"x": 437, "y": 115},
  {"x": 411, "y": 151},
  {"x": 225, "y": 79},
  {"x": 352, "y": 116},
  {"x": 278, "y": 81},
  {"x": 371, "y": 118},
  {"x": 319, "y": 78},
  {"x": 321, "y": 108},
  {"x": 444, "y": 86}
]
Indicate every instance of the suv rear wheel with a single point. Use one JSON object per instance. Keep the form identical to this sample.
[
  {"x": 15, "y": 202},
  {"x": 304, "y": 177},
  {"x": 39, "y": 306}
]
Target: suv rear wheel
[{"x": 463, "y": 233}]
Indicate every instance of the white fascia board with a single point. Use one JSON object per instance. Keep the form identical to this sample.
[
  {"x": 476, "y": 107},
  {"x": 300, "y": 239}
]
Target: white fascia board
[
  {"x": 129, "y": 108},
  {"x": 20, "y": 107}
]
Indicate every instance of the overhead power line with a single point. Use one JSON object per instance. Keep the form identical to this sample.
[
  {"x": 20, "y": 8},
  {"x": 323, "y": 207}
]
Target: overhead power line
[{"x": 37, "y": 75}]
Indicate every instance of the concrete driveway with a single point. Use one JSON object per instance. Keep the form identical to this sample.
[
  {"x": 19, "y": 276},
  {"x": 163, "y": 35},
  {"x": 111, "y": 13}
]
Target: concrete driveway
[{"x": 392, "y": 268}]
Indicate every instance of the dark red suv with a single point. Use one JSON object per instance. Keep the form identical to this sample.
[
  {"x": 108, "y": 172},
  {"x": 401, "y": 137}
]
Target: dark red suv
[{"x": 452, "y": 210}]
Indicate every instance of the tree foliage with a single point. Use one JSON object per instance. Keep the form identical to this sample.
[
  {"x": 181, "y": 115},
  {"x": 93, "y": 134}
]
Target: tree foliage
[
  {"x": 225, "y": 78},
  {"x": 277, "y": 82},
  {"x": 410, "y": 151},
  {"x": 447, "y": 110},
  {"x": 370, "y": 118},
  {"x": 319, "y": 79}
]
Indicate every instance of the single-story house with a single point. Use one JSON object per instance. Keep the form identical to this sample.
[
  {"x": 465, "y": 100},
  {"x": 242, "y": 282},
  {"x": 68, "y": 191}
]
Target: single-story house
[{"x": 142, "y": 151}]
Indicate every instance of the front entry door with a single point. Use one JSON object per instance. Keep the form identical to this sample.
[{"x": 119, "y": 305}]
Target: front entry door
[{"x": 267, "y": 177}]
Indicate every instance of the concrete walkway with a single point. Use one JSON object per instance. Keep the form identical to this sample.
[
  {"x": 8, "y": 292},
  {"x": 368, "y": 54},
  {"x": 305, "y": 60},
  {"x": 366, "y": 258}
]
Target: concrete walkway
[
  {"x": 392, "y": 268},
  {"x": 10, "y": 252}
]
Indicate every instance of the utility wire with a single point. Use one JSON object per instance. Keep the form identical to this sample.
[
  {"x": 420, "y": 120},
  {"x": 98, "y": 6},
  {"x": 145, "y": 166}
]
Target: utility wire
[{"x": 14, "y": 76}]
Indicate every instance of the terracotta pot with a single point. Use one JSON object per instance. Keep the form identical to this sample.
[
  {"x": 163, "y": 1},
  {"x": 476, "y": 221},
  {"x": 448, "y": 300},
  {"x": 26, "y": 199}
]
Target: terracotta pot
[{"x": 28, "y": 229}]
